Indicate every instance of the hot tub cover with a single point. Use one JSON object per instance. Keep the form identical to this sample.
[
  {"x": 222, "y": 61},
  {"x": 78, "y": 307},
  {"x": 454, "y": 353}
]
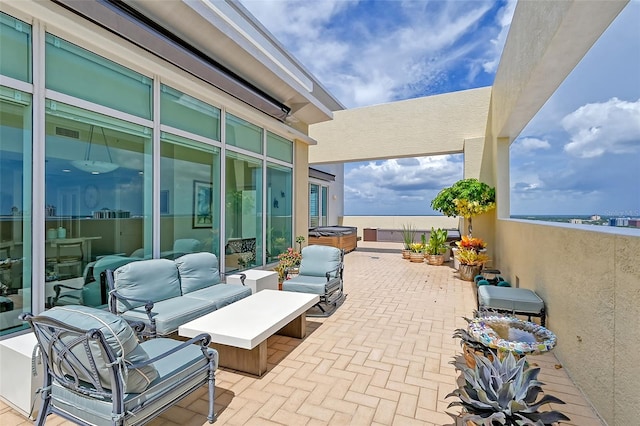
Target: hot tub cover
[{"x": 330, "y": 231}]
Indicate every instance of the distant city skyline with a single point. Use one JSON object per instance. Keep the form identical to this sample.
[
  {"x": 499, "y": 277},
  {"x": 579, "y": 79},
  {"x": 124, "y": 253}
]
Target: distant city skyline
[{"x": 579, "y": 155}]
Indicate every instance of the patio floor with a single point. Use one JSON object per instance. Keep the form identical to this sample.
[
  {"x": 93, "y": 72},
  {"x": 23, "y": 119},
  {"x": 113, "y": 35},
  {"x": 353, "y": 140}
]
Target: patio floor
[{"x": 382, "y": 358}]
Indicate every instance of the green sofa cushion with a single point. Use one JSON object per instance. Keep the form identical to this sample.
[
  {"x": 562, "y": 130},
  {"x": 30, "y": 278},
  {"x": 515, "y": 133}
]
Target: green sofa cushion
[
  {"x": 119, "y": 336},
  {"x": 177, "y": 375},
  {"x": 171, "y": 313},
  {"x": 197, "y": 271},
  {"x": 318, "y": 260},
  {"x": 150, "y": 280}
]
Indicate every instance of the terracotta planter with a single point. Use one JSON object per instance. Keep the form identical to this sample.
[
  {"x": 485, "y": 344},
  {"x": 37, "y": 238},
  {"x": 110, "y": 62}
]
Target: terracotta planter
[
  {"x": 406, "y": 253},
  {"x": 468, "y": 352},
  {"x": 434, "y": 259},
  {"x": 417, "y": 257},
  {"x": 468, "y": 272}
]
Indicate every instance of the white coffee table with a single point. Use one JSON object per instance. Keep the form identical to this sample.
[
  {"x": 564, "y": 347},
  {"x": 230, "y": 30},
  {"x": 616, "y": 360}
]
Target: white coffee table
[{"x": 239, "y": 331}]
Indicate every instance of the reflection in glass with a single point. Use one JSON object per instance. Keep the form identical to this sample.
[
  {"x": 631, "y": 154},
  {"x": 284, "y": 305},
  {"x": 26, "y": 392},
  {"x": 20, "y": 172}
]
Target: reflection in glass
[
  {"x": 314, "y": 205},
  {"x": 243, "y": 134},
  {"x": 190, "y": 180},
  {"x": 15, "y": 208},
  {"x": 243, "y": 212},
  {"x": 15, "y": 55},
  {"x": 96, "y": 219},
  {"x": 279, "y": 210}
]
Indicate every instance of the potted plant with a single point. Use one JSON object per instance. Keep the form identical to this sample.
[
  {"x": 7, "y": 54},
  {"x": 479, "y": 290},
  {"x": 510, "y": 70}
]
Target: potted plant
[
  {"x": 466, "y": 198},
  {"x": 503, "y": 391},
  {"x": 472, "y": 346},
  {"x": 408, "y": 234},
  {"x": 417, "y": 252},
  {"x": 287, "y": 260},
  {"x": 470, "y": 263},
  {"x": 436, "y": 247}
]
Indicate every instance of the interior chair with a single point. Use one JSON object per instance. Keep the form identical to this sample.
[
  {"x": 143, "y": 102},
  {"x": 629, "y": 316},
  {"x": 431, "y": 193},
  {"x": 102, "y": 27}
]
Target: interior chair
[
  {"x": 69, "y": 255},
  {"x": 182, "y": 246},
  {"x": 96, "y": 371},
  {"x": 320, "y": 272},
  {"x": 93, "y": 290}
]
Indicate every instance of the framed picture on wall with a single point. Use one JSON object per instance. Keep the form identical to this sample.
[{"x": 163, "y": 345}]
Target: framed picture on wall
[
  {"x": 164, "y": 201},
  {"x": 202, "y": 193}
]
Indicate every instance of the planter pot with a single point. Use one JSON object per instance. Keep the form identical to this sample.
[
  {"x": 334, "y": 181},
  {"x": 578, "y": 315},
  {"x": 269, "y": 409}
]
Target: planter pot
[
  {"x": 456, "y": 262},
  {"x": 434, "y": 259},
  {"x": 417, "y": 257},
  {"x": 447, "y": 255},
  {"x": 468, "y": 352},
  {"x": 406, "y": 254},
  {"x": 468, "y": 272}
]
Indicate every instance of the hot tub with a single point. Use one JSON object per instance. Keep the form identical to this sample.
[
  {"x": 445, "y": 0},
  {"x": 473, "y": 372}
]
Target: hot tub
[{"x": 342, "y": 237}]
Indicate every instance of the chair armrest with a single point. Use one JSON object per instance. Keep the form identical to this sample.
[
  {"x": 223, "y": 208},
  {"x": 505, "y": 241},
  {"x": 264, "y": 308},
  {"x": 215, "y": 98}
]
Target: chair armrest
[
  {"x": 328, "y": 273},
  {"x": 58, "y": 288},
  {"x": 148, "y": 304},
  {"x": 202, "y": 340}
]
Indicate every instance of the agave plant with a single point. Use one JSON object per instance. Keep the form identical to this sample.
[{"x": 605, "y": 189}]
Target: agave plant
[{"x": 504, "y": 392}]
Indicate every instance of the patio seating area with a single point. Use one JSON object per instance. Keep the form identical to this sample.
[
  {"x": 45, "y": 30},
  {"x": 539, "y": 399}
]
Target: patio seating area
[{"x": 383, "y": 357}]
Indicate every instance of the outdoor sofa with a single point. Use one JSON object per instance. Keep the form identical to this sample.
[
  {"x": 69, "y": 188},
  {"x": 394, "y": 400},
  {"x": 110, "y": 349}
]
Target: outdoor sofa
[{"x": 164, "y": 294}]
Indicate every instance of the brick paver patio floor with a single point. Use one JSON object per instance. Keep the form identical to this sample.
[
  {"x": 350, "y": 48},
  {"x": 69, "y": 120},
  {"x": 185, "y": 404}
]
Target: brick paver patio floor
[{"x": 382, "y": 358}]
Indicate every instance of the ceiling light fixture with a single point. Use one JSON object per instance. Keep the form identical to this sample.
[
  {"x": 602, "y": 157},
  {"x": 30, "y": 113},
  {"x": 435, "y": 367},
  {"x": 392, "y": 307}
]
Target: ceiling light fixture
[{"x": 95, "y": 167}]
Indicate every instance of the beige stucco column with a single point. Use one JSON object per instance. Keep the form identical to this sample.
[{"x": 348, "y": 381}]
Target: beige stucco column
[{"x": 301, "y": 189}]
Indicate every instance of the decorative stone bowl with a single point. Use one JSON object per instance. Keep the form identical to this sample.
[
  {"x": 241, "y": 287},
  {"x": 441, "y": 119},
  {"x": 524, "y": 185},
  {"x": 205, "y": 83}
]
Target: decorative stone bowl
[{"x": 510, "y": 334}]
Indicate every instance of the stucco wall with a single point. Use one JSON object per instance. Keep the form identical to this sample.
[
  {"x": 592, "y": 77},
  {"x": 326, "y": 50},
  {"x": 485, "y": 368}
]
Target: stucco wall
[
  {"x": 412, "y": 128},
  {"x": 590, "y": 282},
  {"x": 396, "y": 222}
]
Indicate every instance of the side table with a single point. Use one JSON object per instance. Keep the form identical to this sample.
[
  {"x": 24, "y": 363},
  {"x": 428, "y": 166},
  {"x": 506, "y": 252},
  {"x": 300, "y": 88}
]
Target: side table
[
  {"x": 18, "y": 386},
  {"x": 256, "y": 279}
]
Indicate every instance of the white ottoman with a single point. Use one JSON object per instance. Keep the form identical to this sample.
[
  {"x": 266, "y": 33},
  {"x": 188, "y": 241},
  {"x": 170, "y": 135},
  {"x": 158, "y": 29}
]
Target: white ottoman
[{"x": 256, "y": 279}]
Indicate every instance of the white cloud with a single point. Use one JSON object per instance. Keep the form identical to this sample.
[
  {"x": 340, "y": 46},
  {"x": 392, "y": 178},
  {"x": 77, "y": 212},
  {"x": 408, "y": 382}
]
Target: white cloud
[
  {"x": 377, "y": 52},
  {"x": 505, "y": 15},
  {"x": 608, "y": 127},
  {"x": 528, "y": 145},
  {"x": 404, "y": 185}
]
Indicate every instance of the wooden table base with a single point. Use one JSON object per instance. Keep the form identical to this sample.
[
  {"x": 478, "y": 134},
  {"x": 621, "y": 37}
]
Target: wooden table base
[{"x": 254, "y": 361}]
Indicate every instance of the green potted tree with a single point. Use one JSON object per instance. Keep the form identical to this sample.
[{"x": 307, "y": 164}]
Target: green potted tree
[
  {"x": 466, "y": 198},
  {"x": 436, "y": 247}
]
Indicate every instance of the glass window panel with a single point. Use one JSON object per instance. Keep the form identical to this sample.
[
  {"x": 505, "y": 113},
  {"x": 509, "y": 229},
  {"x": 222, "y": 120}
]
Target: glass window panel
[
  {"x": 314, "y": 205},
  {"x": 190, "y": 182},
  {"x": 325, "y": 202},
  {"x": 98, "y": 192},
  {"x": 243, "y": 212},
  {"x": 243, "y": 134},
  {"x": 15, "y": 54},
  {"x": 15, "y": 207},
  {"x": 188, "y": 113},
  {"x": 279, "y": 148},
  {"x": 77, "y": 72},
  {"x": 279, "y": 210}
]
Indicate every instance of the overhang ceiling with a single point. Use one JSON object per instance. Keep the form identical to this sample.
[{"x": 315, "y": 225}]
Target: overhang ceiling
[{"x": 228, "y": 34}]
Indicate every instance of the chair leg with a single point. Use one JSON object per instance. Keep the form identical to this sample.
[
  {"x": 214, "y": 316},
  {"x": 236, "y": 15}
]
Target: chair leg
[
  {"x": 212, "y": 392},
  {"x": 46, "y": 400}
]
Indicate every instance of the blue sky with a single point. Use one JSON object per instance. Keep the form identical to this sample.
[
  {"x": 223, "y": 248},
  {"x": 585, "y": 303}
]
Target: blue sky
[{"x": 579, "y": 155}]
